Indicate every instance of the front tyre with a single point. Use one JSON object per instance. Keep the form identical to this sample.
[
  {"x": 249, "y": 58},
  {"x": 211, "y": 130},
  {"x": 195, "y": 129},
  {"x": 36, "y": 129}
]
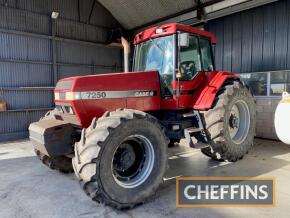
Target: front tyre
[
  {"x": 230, "y": 124},
  {"x": 121, "y": 158}
]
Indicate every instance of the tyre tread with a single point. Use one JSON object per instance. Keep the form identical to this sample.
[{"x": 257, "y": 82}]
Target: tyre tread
[
  {"x": 94, "y": 137},
  {"x": 214, "y": 119}
]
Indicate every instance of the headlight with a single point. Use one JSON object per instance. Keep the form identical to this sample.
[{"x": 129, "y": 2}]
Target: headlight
[
  {"x": 69, "y": 96},
  {"x": 56, "y": 96}
]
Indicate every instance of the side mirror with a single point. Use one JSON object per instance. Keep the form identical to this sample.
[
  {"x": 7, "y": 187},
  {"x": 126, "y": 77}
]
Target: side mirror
[{"x": 183, "y": 40}]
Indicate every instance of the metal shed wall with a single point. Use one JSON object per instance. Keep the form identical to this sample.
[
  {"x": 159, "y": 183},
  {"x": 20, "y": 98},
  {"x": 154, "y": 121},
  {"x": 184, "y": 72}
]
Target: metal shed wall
[
  {"x": 254, "y": 40},
  {"x": 35, "y": 52}
]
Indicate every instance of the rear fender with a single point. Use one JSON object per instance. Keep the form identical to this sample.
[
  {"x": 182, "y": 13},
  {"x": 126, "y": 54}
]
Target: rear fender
[{"x": 212, "y": 84}]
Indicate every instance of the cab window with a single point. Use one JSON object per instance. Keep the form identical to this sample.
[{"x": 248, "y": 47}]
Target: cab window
[
  {"x": 158, "y": 54},
  {"x": 206, "y": 55},
  {"x": 189, "y": 59}
]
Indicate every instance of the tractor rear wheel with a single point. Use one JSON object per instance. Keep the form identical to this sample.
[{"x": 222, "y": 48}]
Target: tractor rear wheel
[
  {"x": 230, "y": 124},
  {"x": 61, "y": 163},
  {"x": 121, "y": 158}
]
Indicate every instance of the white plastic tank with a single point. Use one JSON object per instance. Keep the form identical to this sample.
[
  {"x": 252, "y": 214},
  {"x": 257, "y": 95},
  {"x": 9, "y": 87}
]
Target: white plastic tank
[{"x": 282, "y": 118}]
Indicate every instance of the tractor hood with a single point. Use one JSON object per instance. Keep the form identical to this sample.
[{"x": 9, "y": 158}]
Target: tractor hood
[
  {"x": 90, "y": 96},
  {"x": 117, "y": 81}
]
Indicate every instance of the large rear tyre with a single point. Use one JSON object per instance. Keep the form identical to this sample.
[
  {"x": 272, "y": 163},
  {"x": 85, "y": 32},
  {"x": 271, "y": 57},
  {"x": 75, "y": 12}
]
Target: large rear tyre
[
  {"x": 230, "y": 124},
  {"x": 61, "y": 163},
  {"x": 121, "y": 158}
]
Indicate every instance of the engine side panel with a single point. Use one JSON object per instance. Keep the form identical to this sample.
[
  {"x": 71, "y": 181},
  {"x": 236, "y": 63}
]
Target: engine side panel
[{"x": 91, "y": 96}]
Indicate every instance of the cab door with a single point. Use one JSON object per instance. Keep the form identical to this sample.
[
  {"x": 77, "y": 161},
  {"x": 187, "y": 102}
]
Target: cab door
[{"x": 194, "y": 59}]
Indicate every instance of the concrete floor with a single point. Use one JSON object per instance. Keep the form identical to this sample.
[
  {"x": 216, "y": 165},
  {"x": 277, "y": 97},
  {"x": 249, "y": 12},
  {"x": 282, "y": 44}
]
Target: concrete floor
[{"x": 29, "y": 189}]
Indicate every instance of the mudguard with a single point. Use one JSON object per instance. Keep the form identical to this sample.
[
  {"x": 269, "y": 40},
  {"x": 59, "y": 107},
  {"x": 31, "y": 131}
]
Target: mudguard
[{"x": 205, "y": 97}]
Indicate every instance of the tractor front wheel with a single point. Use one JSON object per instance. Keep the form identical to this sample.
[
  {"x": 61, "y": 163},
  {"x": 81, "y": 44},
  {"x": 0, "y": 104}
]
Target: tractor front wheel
[
  {"x": 230, "y": 124},
  {"x": 121, "y": 158}
]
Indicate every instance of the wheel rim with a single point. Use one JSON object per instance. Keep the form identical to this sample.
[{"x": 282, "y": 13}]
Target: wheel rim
[
  {"x": 133, "y": 161},
  {"x": 239, "y": 122}
]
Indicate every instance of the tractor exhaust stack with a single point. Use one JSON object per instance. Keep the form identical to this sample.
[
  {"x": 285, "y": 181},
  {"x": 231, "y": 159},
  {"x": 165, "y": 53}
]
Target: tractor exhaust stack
[{"x": 126, "y": 46}]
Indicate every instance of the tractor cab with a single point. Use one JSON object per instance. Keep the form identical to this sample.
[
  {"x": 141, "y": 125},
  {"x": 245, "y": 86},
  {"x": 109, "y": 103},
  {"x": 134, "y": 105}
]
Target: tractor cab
[{"x": 178, "y": 52}]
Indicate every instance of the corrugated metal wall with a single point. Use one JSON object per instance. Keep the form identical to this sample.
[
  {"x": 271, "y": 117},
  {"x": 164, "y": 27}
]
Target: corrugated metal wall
[
  {"x": 254, "y": 40},
  {"x": 35, "y": 52}
]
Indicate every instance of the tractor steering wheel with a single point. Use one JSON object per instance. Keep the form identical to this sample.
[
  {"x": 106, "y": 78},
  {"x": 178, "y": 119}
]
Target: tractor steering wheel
[{"x": 187, "y": 69}]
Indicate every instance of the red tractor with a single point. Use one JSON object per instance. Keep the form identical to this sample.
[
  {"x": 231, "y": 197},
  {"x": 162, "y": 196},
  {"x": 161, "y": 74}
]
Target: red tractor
[{"x": 114, "y": 129}]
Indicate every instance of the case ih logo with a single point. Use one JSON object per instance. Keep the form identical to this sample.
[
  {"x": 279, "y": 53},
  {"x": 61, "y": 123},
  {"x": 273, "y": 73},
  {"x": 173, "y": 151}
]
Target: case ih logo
[
  {"x": 207, "y": 192},
  {"x": 144, "y": 93}
]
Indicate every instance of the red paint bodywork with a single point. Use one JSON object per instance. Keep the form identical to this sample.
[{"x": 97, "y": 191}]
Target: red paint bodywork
[
  {"x": 169, "y": 29},
  {"x": 197, "y": 94},
  {"x": 205, "y": 87},
  {"x": 85, "y": 110}
]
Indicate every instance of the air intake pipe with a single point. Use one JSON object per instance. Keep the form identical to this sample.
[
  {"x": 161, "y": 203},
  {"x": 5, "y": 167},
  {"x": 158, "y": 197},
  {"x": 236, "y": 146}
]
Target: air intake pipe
[{"x": 126, "y": 47}]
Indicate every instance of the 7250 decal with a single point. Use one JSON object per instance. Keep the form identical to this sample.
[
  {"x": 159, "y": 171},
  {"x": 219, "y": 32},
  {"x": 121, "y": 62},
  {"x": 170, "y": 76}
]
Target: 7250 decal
[{"x": 96, "y": 95}]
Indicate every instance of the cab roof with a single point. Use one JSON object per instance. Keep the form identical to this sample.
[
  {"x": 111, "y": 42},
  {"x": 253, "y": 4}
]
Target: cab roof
[{"x": 169, "y": 29}]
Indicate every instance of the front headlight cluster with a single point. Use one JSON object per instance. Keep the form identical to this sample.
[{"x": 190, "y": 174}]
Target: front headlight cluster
[{"x": 68, "y": 96}]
